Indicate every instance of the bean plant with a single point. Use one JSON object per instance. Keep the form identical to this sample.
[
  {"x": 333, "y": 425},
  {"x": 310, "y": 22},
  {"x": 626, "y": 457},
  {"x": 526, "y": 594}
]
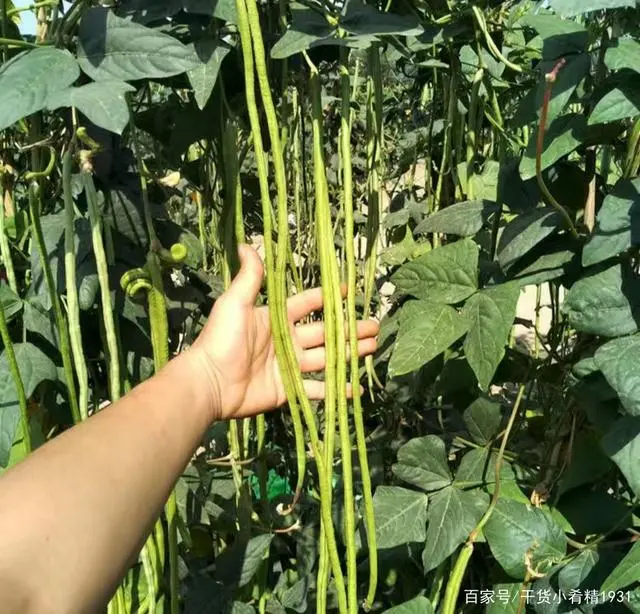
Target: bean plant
[{"x": 429, "y": 163}]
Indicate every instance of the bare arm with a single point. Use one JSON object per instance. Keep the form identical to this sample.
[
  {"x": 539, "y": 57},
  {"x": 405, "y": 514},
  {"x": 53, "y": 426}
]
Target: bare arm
[{"x": 75, "y": 512}]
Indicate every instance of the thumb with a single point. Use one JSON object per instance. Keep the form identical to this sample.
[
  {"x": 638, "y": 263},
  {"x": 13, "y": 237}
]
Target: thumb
[{"x": 247, "y": 282}]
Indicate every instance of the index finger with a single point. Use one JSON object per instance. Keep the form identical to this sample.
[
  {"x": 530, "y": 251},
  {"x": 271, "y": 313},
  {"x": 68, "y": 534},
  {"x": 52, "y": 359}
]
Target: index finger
[{"x": 308, "y": 301}]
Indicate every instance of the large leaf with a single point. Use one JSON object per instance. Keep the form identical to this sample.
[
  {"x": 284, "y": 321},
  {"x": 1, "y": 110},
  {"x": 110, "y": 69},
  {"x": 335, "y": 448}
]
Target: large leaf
[
  {"x": 364, "y": 19},
  {"x": 423, "y": 462},
  {"x": 483, "y": 418},
  {"x": 622, "y": 445},
  {"x": 623, "y": 53},
  {"x": 618, "y": 360},
  {"x": 617, "y": 225},
  {"x": 27, "y": 81},
  {"x": 525, "y": 232},
  {"x": 203, "y": 77},
  {"x": 570, "y": 8},
  {"x": 238, "y": 564},
  {"x": 517, "y": 531},
  {"x": 452, "y": 515},
  {"x": 417, "y": 605},
  {"x": 104, "y": 103},
  {"x": 426, "y": 330},
  {"x": 559, "y": 36},
  {"x": 448, "y": 274},
  {"x": 110, "y": 47},
  {"x": 35, "y": 367},
  {"x": 562, "y": 136},
  {"x": 490, "y": 313},
  {"x": 11, "y": 302},
  {"x": 143, "y": 11},
  {"x": 478, "y": 466},
  {"x": 605, "y": 303},
  {"x": 619, "y": 103},
  {"x": 400, "y": 515},
  {"x": 464, "y": 219},
  {"x": 308, "y": 28},
  {"x": 626, "y": 573}
]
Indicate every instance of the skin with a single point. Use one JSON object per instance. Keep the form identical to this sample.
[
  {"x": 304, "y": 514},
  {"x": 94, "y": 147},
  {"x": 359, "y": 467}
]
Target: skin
[{"x": 74, "y": 514}]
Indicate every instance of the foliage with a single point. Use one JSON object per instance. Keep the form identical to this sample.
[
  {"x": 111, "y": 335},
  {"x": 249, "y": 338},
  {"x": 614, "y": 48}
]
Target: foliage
[{"x": 135, "y": 152}]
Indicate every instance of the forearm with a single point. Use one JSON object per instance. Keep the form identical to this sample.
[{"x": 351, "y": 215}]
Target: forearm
[{"x": 74, "y": 513}]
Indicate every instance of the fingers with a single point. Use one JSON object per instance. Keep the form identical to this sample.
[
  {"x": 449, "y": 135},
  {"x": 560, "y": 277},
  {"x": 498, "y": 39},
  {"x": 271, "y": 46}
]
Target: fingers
[
  {"x": 301, "y": 305},
  {"x": 315, "y": 358},
  {"x": 247, "y": 282},
  {"x": 312, "y": 335},
  {"x": 316, "y": 390}
]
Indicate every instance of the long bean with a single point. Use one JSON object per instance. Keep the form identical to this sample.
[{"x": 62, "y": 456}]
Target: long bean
[
  {"x": 105, "y": 291},
  {"x": 73, "y": 308},
  {"x": 249, "y": 28},
  {"x": 345, "y": 141},
  {"x": 280, "y": 329}
]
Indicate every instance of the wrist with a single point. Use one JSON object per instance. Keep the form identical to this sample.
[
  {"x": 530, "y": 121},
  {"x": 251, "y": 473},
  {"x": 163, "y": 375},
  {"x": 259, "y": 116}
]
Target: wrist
[{"x": 205, "y": 382}]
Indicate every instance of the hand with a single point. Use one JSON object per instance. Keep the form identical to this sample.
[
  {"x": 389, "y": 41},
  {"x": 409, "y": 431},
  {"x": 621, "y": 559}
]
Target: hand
[{"x": 236, "y": 345}]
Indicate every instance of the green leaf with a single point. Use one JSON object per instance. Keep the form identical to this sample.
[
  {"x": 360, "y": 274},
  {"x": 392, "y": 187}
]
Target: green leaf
[
  {"x": 35, "y": 367},
  {"x": 617, "y": 224},
  {"x": 622, "y": 446},
  {"x": 464, "y": 219},
  {"x": 619, "y": 103},
  {"x": 11, "y": 302},
  {"x": 400, "y": 515},
  {"x": 452, "y": 515},
  {"x": 423, "y": 462},
  {"x": 363, "y": 19},
  {"x": 27, "y": 81},
  {"x": 548, "y": 266},
  {"x": 560, "y": 36},
  {"x": 426, "y": 330},
  {"x": 626, "y": 573},
  {"x": 103, "y": 103},
  {"x": 623, "y": 53},
  {"x": 478, "y": 466},
  {"x": 483, "y": 418},
  {"x": 447, "y": 274},
  {"x": 417, "y": 605},
  {"x": 618, "y": 360},
  {"x": 604, "y": 303},
  {"x": 240, "y": 562},
  {"x": 525, "y": 232},
  {"x": 563, "y": 135},
  {"x": 570, "y": 8},
  {"x": 113, "y": 48},
  {"x": 573, "y": 573},
  {"x": 516, "y": 531},
  {"x": 591, "y": 512},
  {"x": 588, "y": 463},
  {"x": 308, "y": 28},
  {"x": 210, "y": 52},
  {"x": 490, "y": 313}
]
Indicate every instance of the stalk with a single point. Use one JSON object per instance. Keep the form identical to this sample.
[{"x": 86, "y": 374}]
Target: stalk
[
  {"x": 17, "y": 379},
  {"x": 550, "y": 79},
  {"x": 472, "y": 135},
  {"x": 457, "y": 574},
  {"x": 73, "y": 308},
  {"x": 349, "y": 239}
]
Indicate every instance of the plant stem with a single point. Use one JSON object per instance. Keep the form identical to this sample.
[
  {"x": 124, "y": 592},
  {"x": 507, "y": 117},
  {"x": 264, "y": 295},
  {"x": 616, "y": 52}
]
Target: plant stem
[
  {"x": 63, "y": 331},
  {"x": 550, "y": 80},
  {"x": 457, "y": 575}
]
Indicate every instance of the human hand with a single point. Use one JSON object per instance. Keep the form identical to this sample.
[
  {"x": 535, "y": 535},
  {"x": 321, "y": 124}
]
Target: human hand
[{"x": 237, "y": 352}]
